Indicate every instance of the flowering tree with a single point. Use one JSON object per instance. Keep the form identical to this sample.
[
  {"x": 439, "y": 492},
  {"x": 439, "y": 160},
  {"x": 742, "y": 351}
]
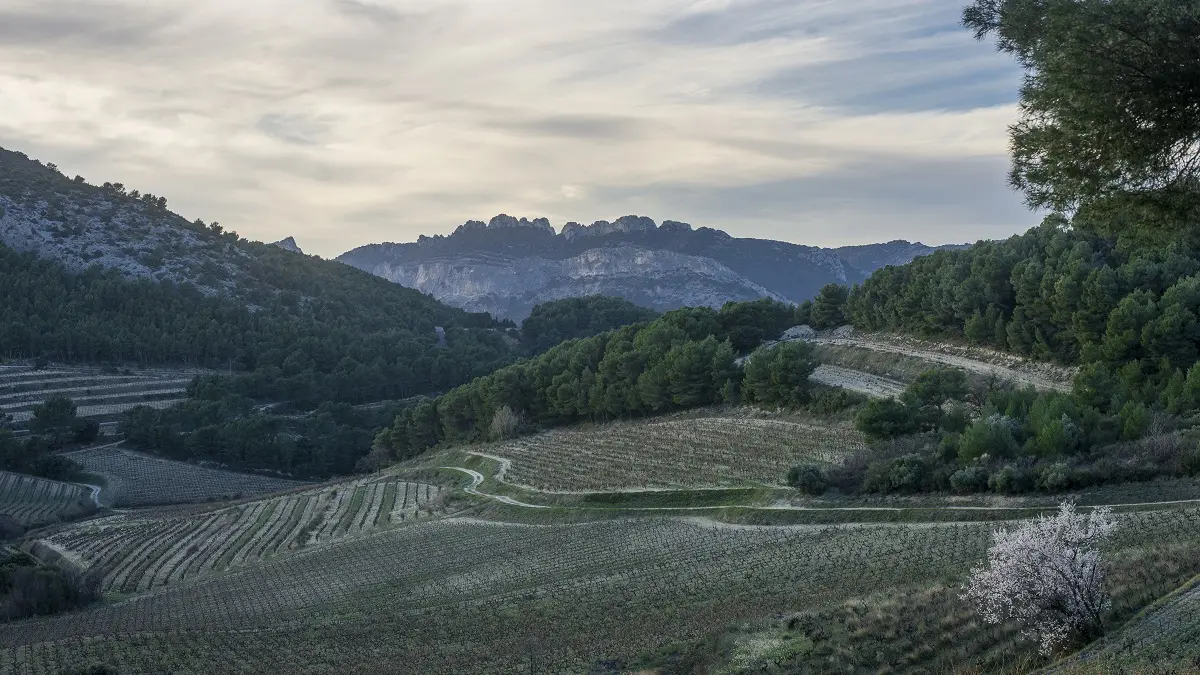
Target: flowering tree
[{"x": 1048, "y": 575}]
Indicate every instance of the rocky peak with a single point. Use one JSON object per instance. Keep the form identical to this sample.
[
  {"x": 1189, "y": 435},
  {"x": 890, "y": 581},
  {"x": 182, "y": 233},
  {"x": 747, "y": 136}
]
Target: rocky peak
[
  {"x": 288, "y": 244},
  {"x": 674, "y": 226},
  {"x": 471, "y": 225},
  {"x": 505, "y": 220},
  {"x": 572, "y": 230}
]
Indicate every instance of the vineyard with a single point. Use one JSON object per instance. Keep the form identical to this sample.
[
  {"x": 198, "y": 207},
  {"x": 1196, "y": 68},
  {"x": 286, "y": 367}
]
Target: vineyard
[
  {"x": 34, "y": 501},
  {"x": 727, "y": 449},
  {"x": 97, "y": 394},
  {"x": 139, "y": 551},
  {"x": 458, "y": 595},
  {"x": 1162, "y": 640},
  {"x": 135, "y": 479}
]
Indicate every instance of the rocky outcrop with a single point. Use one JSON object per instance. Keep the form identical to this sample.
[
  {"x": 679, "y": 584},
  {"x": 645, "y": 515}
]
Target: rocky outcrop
[{"x": 288, "y": 244}]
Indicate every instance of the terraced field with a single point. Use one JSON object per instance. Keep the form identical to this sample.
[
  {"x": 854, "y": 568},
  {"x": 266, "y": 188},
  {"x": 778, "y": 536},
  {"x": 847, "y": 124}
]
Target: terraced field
[
  {"x": 139, "y": 550},
  {"x": 97, "y": 394},
  {"x": 35, "y": 501},
  {"x": 458, "y": 595},
  {"x": 136, "y": 479},
  {"x": 1164, "y": 640},
  {"x": 726, "y": 448}
]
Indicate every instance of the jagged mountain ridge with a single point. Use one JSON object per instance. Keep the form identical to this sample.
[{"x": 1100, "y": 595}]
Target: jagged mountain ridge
[{"x": 506, "y": 266}]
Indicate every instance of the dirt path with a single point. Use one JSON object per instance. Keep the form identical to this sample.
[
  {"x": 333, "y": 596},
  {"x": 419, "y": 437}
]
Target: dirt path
[
  {"x": 857, "y": 381},
  {"x": 1043, "y": 376},
  {"x": 478, "y": 478}
]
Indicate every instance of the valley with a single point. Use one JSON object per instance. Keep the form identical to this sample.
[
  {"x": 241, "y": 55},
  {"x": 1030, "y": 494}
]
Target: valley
[{"x": 626, "y": 448}]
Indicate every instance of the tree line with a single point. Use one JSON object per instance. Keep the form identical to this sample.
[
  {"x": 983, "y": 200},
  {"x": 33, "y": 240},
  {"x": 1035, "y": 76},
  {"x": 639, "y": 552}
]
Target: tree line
[{"x": 685, "y": 358}]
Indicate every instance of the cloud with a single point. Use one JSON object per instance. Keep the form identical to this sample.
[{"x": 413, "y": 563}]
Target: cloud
[{"x": 343, "y": 122}]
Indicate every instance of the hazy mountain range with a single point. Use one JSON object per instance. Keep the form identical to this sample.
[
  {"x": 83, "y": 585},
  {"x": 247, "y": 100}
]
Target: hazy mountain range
[{"x": 508, "y": 265}]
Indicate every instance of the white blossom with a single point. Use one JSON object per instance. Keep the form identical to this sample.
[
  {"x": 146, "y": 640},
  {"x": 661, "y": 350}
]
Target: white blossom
[{"x": 1048, "y": 575}]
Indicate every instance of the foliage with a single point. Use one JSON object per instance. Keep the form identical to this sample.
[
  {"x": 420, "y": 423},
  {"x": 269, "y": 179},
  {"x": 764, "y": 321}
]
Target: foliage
[
  {"x": 28, "y": 588},
  {"x": 683, "y": 359},
  {"x": 223, "y": 427},
  {"x": 84, "y": 431},
  {"x": 881, "y": 419},
  {"x": 808, "y": 479},
  {"x": 34, "y": 456},
  {"x": 1108, "y": 105},
  {"x": 560, "y": 320},
  {"x": 53, "y": 416},
  {"x": 1048, "y": 575},
  {"x": 828, "y": 308},
  {"x": 505, "y": 423},
  {"x": 778, "y": 375}
]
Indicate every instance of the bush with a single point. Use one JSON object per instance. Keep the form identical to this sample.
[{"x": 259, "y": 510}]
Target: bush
[
  {"x": 808, "y": 479},
  {"x": 834, "y": 400},
  {"x": 899, "y": 474},
  {"x": 970, "y": 479},
  {"x": 85, "y": 431},
  {"x": 1010, "y": 480},
  {"x": 885, "y": 418},
  {"x": 28, "y": 588},
  {"x": 779, "y": 375},
  {"x": 992, "y": 437},
  {"x": 1054, "y": 477},
  {"x": 1135, "y": 420}
]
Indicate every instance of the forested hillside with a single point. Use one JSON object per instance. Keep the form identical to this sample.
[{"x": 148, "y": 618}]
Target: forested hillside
[
  {"x": 684, "y": 359},
  {"x": 1108, "y": 141},
  {"x": 108, "y": 276},
  {"x": 560, "y": 320}
]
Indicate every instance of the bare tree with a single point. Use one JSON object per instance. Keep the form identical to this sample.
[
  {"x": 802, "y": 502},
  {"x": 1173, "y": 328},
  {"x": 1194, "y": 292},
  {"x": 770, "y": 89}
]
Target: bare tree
[
  {"x": 505, "y": 423},
  {"x": 1048, "y": 575}
]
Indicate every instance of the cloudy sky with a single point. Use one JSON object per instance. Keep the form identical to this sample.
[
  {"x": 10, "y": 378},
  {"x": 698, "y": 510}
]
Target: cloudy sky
[{"x": 345, "y": 122}]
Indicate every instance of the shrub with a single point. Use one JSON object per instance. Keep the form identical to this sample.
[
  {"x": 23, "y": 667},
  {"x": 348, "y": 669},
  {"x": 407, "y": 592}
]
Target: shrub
[
  {"x": 1054, "y": 477},
  {"x": 1135, "y": 420},
  {"x": 885, "y": 418},
  {"x": 1009, "y": 480},
  {"x": 834, "y": 400},
  {"x": 808, "y": 479},
  {"x": 970, "y": 479},
  {"x": 899, "y": 474},
  {"x": 85, "y": 431},
  {"x": 992, "y": 437}
]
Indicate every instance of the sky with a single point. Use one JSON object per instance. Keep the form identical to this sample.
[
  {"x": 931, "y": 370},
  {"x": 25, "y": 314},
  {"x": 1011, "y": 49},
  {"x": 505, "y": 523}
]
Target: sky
[{"x": 346, "y": 122}]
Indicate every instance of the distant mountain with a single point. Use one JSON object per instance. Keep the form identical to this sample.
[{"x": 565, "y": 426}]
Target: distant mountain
[
  {"x": 288, "y": 244},
  {"x": 508, "y": 265},
  {"x": 870, "y": 257}
]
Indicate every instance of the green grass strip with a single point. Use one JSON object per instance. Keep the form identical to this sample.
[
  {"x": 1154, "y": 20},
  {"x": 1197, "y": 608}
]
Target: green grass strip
[
  {"x": 384, "y": 516},
  {"x": 246, "y": 536},
  {"x": 351, "y": 511}
]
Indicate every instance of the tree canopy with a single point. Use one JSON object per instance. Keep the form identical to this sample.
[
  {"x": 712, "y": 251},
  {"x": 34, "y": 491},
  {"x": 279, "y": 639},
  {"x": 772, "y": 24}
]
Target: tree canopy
[
  {"x": 569, "y": 318},
  {"x": 1110, "y": 104}
]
